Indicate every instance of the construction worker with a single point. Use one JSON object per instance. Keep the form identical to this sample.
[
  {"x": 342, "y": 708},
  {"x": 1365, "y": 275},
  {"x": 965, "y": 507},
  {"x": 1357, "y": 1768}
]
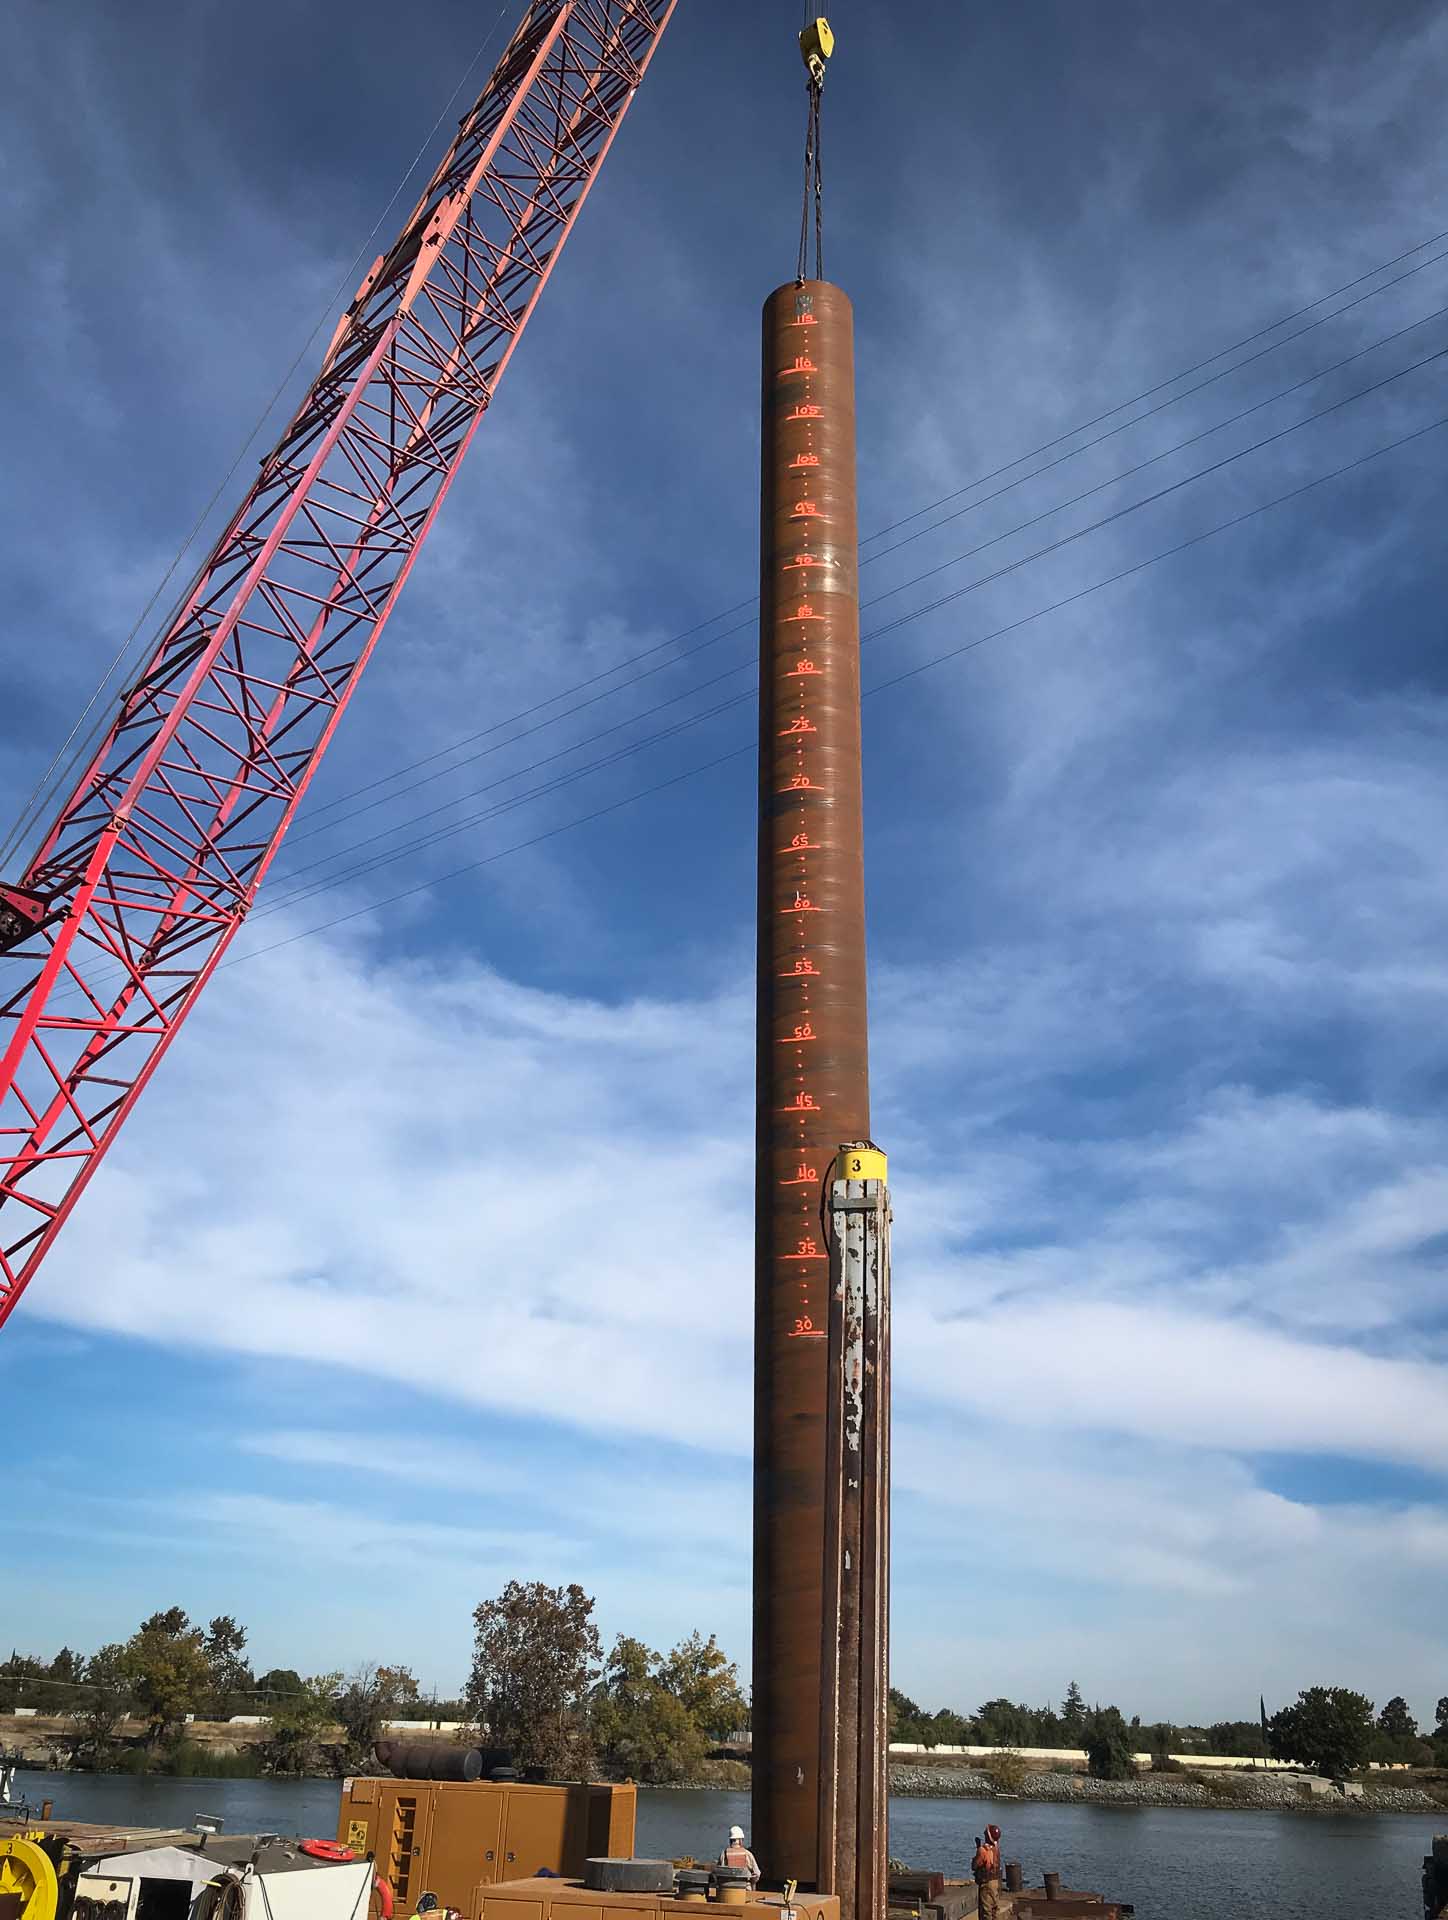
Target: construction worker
[
  {"x": 986, "y": 1867},
  {"x": 736, "y": 1854}
]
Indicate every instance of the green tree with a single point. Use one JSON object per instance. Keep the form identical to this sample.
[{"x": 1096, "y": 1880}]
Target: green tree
[
  {"x": 1108, "y": 1745},
  {"x": 172, "y": 1622},
  {"x": 278, "y": 1684},
  {"x": 906, "y": 1719},
  {"x": 947, "y": 1728},
  {"x": 14, "y": 1674},
  {"x": 1441, "y": 1714},
  {"x": 535, "y": 1657},
  {"x": 1397, "y": 1741},
  {"x": 1159, "y": 1741},
  {"x": 230, "y": 1674},
  {"x": 294, "y": 1740},
  {"x": 370, "y": 1698},
  {"x": 1235, "y": 1739},
  {"x": 706, "y": 1684},
  {"x": 641, "y": 1728},
  {"x": 1073, "y": 1715},
  {"x": 1001, "y": 1723},
  {"x": 1327, "y": 1728},
  {"x": 1396, "y": 1720},
  {"x": 66, "y": 1667},
  {"x": 100, "y": 1705},
  {"x": 166, "y": 1666}
]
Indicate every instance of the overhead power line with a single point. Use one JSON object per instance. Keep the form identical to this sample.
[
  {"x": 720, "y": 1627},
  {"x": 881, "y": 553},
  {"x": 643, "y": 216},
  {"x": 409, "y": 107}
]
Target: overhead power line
[
  {"x": 663, "y": 646},
  {"x": 662, "y": 786},
  {"x": 737, "y": 753},
  {"x": 293, "y": 892}
]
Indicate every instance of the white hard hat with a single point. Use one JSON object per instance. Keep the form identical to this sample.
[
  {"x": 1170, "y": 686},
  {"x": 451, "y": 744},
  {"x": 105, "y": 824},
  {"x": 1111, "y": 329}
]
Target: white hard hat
[{"x": 736, "y": 1833}]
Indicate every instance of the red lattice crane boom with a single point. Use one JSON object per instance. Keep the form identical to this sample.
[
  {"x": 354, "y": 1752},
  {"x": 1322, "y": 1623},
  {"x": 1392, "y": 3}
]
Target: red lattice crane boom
[{"x": 155, "y": 856}]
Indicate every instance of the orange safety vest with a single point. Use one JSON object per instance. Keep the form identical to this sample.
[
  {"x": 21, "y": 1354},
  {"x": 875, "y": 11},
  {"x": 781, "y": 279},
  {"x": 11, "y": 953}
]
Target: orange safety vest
[
  {"x": 987, "y": 1862},
  {"x": 738, "y": 1855}
]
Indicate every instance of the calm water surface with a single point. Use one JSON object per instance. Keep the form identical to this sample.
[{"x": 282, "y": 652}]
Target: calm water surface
[{"x": 1174, "y": 1864}]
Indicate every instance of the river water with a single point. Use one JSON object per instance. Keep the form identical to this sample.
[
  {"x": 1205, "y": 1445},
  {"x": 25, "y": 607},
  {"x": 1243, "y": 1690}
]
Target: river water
[{"x": 1174, "y": 1863}]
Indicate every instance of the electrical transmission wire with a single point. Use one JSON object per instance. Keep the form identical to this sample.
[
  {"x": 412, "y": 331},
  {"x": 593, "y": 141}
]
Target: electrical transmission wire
[
  {"x": 33, "y": 804},
  {"x": 906, "y": 674},
  {"x": 737, "y": 753},
  {"x": 289, "y": 870},
  {"x": 294, "y": 892},
  {"x": 369, "y": 786}
]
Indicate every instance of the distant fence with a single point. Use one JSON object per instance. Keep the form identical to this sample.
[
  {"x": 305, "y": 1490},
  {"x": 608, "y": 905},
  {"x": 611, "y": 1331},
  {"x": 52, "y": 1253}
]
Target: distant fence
[
  {"x": 905, "y": 1750},
  {"x": 392, "y": 1726}
]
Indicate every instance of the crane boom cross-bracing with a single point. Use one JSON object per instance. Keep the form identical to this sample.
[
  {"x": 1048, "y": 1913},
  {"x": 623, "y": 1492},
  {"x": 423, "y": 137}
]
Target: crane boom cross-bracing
[{"x": 152, "y": 861}]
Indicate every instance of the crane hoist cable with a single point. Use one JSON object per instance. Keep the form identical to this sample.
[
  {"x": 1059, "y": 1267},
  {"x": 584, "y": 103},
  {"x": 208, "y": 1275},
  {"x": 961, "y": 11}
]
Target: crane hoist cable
[{"x": 816, "y": 44}]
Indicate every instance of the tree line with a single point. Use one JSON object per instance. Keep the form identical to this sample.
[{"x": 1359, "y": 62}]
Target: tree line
[
  {"x": 542, "y": 1686},
  {"x": 1330, "y": 1728}
]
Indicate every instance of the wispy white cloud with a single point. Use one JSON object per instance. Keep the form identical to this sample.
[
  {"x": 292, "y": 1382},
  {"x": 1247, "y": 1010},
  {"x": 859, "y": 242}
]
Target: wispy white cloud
[{"x": 1157, "y": 884}]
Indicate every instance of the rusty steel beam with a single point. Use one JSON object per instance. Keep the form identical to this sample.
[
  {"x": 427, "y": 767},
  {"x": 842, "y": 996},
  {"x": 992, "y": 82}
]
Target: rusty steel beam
[
  {"x": 854, "y": 1680},
  {"x": 812, "y": 1074}
]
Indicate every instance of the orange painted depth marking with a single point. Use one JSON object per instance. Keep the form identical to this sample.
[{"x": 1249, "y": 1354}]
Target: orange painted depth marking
[
  {"x": 801, "y": 1103},
  {"x": 802, "y": 904}
]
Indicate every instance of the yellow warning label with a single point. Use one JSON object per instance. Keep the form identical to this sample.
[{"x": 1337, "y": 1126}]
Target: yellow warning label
[
  {"x": 357, "y": 1835},
  {"x": 861, "y": 1163}
]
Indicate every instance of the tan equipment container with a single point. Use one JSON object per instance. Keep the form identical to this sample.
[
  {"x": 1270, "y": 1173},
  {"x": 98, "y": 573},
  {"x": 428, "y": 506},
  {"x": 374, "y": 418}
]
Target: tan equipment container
[
  {"x": 550, "y": 1900},
  {"x": 455, "y": 1838}
]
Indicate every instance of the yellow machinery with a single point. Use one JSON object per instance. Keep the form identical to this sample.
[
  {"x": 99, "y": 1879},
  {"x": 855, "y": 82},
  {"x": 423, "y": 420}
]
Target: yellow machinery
[
  {"x": 455, "y": 1838},
  {"x": 28, "y": 1876},
  {"x": 817, "y": 43}
]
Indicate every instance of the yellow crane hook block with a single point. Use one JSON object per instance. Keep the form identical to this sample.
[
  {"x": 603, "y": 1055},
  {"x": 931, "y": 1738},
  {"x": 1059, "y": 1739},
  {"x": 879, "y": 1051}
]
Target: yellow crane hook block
[
  {"x": 27, "y": 1879},
  {"x": 816, "y": 44}
]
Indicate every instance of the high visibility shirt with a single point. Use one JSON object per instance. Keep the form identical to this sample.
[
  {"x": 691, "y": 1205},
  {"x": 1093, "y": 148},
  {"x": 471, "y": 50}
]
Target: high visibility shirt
[
  {"x": 738, "y": 1855},
  {"x": 987, "y": 1862}
]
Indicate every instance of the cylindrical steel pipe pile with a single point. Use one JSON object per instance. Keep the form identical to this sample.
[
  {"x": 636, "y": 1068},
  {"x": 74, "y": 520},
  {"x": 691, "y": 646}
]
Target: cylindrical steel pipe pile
[{"x": 812, "y": 1069}]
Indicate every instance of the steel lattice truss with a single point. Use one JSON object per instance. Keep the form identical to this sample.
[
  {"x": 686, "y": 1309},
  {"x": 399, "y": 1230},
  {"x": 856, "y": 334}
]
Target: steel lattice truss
[{"x": 153, "y": 860}]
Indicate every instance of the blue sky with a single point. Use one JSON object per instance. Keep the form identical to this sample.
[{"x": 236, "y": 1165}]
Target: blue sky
[{"x": 425, "y": 1263}]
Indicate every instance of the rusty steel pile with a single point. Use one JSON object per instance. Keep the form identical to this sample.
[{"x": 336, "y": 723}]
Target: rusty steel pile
[{"x": 812, "y": 1063}]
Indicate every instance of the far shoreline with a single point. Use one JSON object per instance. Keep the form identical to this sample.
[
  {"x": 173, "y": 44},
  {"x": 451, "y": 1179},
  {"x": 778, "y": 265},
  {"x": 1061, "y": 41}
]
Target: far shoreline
[
  {"x": 1271, "y": 1793},
  {"x": 1239, "y": 1793}
]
